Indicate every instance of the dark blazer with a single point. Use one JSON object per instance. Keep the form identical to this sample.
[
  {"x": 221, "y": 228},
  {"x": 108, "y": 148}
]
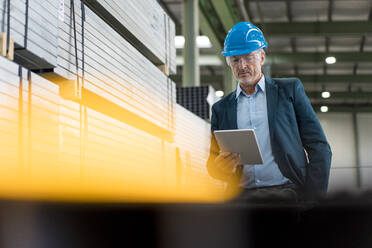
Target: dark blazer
[{"x": 293, "y": 128}]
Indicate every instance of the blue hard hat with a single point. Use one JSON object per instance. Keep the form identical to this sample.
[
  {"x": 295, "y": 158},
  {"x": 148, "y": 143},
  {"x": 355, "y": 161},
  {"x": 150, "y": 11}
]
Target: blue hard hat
[{"x": 243, "y": 38}]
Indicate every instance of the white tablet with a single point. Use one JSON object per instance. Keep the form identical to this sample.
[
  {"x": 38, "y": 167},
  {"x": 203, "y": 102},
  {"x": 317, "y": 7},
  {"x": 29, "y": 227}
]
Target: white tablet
[{"x": 242, "y": 141}]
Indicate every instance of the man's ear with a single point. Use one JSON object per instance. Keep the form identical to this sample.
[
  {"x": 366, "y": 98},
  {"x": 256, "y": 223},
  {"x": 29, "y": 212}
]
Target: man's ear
[{"x": 263, "y": 57}]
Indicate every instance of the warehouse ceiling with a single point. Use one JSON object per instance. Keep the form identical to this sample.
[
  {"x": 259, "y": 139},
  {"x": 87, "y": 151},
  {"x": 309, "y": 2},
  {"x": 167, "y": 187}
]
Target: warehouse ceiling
[{"x": 301, "y": 34}]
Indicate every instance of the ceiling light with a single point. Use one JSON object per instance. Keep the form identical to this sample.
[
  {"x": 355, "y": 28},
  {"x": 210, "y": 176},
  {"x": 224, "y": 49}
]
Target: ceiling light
[
  {"x": 219, "y": 93},
  {"x": 202, "y": 41},
  {"x": 324, "y": 109},
  {"x": 179, "y": 41},
  {"x": 326, "y": 94},
  {"x": 330, "y": 60}
]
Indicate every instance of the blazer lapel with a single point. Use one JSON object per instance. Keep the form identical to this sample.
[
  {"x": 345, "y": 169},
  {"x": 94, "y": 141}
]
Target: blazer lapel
[
  {"x": 231, "y": 112},
  {"x": 272, "y": 103}
]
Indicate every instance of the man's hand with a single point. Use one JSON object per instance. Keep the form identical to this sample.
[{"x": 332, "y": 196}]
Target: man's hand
[{"x": 227, "y": 162}]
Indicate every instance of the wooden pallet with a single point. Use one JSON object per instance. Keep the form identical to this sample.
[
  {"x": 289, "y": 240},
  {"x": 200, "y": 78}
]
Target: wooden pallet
[
  {"x": 3, "y": 45},
  {"x": 164, "y": 69}
]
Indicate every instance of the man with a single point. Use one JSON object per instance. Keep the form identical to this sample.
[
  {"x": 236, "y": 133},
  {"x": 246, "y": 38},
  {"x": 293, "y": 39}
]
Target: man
[{"x": 285, "y": 124}]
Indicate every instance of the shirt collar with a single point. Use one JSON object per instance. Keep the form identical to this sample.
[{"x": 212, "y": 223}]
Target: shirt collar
[{"x": 259, "y": 85}]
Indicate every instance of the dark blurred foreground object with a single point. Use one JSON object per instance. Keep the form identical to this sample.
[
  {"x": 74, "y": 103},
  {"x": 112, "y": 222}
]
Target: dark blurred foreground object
[{"x": 339, "y": 221}]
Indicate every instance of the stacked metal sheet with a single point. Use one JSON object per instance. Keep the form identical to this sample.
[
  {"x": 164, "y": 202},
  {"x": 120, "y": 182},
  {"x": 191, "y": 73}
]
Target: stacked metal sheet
[
  {"x": 33, "y": 26},
  {"x": 48, "y": 141},
  {"x": 40, "y": 133},
  {"x": 192, "y": 137},
  {"x": 9, "y": 118},
  {"x": 145, "y": 24},
  {"x": 43, "y": 144},
  {"x": 47, "y": 138},
  {"x": 70, "y": 141},
  {"x": 30, "y": 110},
  {"x": 113, "y": 68},
  {"x": 118, "y": 151}
]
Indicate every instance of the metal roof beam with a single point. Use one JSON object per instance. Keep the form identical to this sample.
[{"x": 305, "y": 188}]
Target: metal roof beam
[
  {"x": 204, "y": 60},
  {"x": 208, "y": 30},
  {"x": 329, "y": 79},
  {"x": 290, "y": 58},
  {"x": 289, "y": 10},
  {"x": 344, "y": 107},
  {"x": 330, "y": 10},
  {"x": 248, "y": 9},
  {"x": 317, "y": 28},
  {"x": 294, "y": 0},
  {"x": 300, "y": 57},
  {"x": 223, "y": 13},
  {"x": 341, "y": 95},
  {"x": 334, "y": 78}
]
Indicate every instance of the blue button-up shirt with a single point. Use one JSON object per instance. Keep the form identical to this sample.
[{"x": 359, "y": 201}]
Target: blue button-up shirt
[{"x": 252, "y": 114}]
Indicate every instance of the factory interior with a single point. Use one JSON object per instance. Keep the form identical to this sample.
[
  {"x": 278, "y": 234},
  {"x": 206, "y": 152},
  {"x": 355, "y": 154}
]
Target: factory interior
[{"x": 107, "y": 126}]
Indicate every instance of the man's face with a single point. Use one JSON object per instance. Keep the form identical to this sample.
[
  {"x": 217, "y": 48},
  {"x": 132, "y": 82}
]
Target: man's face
[{"x": 247, "y": 67}]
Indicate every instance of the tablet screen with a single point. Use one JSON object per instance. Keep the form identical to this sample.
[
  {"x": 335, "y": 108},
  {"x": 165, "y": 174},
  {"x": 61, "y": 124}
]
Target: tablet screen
[{"x": 242, "y": 141}]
